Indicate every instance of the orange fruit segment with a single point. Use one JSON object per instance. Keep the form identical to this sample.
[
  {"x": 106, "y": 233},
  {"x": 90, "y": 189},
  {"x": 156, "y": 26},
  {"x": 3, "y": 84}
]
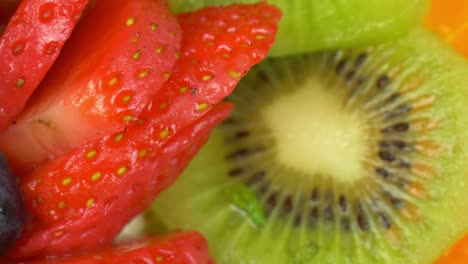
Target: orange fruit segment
[
  {"x": 449, "y": 19},
  {"x": 458, "y": 254}
]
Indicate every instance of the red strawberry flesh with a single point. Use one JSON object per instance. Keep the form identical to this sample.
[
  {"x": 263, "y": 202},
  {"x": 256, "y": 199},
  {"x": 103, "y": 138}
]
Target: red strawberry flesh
[
  {"x": 220, "y": 51},
  {"x": 112, "y": 199},
  {"x": 29, "y": 46},
  {"x": 110, "y": 180},
  {"x": 174, "y": 248},
  {"x": 119, "y": 55}
]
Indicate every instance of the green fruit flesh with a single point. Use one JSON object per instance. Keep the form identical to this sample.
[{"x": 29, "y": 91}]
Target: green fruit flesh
[
  {"x": 385, "y": 183},
  {"x": 311, "y": 25}
]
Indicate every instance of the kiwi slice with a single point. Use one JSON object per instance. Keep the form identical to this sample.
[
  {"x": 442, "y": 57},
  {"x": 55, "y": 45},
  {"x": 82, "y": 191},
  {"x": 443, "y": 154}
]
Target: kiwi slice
[
  {"x": 333, "y": 24},
  {"x": 348, "y": 156}
]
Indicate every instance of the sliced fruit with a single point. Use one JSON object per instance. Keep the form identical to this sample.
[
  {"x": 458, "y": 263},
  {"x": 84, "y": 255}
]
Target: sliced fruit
[
  {"x": 175, "y": 248},
  {"x": 12, "y": 212},
  {"x": 107, "y": 181},
  {"x": 29, "y": 46},
  {"x": 110, "y": 180},
  {"x": 449, "y": 19},
  {"x": 95, "y": 88},
  {"x": 458, "y": 254},
  {"x": 212, "y": 62},
  {"x": 328, "y": 24},
  {"x": 352, "y": 156}
]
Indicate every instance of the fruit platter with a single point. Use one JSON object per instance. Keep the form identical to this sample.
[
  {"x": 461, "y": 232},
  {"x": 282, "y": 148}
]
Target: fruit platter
[{"x": 233, "y": 131}]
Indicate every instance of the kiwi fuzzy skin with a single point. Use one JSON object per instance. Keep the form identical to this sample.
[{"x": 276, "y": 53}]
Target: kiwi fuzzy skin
[
  {"x": 235, "y": 238},
  {"x": 333, "y": 24}
]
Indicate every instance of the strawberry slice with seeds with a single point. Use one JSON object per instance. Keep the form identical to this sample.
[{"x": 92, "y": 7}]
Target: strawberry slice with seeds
[
  {"x": 119, "y": 55},
  {"x": 174, "y": 248},
  {"x": 29, "y": 46},
  {"x": 224, "y": 49},
  {"x": 110, "y": 180}
]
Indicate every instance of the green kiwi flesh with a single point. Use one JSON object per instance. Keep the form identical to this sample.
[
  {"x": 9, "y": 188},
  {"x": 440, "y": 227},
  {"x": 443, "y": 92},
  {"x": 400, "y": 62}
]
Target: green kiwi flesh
[
  {"x": 350, "y": 156},
  {"x": 311, "y": 25}
]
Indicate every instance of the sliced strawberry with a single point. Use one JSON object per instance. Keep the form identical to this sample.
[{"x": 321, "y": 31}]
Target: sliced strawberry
[
  {"x": 85, "y": 198},
  {"x": 225, "y": 49},
  {"x": 119, "y": 55},
  {"x": 175, "y": 248},
  {"x": 29, "y": 46},
  {"x": 110, "y": 180}
]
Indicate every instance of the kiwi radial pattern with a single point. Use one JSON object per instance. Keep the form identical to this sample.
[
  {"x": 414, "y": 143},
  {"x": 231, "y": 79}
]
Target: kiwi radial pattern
[
  {"x": 348, "y": 156},
  {"x": 311, "y": 25}
]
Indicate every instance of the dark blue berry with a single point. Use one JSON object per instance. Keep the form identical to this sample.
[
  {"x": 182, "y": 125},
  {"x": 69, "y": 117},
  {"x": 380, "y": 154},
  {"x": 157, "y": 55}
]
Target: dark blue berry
[{"x": 11, "y": 208}]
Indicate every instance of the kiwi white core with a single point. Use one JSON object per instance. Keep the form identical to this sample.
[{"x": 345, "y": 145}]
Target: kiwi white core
[{"x": 315, "y": 134}]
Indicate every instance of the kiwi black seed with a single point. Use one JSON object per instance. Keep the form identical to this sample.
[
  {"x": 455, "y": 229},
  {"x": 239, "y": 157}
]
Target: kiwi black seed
[
  {"x": 387, "y": 189},
  {"x": 353, "y": 156}
]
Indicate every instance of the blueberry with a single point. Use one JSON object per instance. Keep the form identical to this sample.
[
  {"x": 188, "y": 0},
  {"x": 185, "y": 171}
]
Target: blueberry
[{"x": 12, "y": 212}]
